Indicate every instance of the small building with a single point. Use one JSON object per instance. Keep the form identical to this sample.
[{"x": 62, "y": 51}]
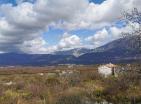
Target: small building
[
  {"x": 41, "y": 74},
  {"x": 107, "y": 70}
]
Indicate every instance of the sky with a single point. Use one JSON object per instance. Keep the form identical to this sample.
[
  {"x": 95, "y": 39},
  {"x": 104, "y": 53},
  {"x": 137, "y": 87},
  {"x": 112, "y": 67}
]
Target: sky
[{"x": 46, "y": 26}]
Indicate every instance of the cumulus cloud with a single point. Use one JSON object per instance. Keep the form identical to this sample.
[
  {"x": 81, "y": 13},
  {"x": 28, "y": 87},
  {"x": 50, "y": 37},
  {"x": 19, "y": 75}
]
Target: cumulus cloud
[
  {"x": 25, "y": 23},
  {"x": 100, "y": 38},
  {"x": 104, "y": 36},
  {"x": 39, "y": 45},
  {"x": 67, "y": 41},
  {"x": 22, "y": 26},
  {"x": 100, "y": 15},
  {"x": 35, "y": 46}
]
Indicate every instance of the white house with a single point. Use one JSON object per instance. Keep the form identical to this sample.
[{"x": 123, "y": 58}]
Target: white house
[
  {"x": 41, "y": 74},
  {"x": 108, "y": 69}
]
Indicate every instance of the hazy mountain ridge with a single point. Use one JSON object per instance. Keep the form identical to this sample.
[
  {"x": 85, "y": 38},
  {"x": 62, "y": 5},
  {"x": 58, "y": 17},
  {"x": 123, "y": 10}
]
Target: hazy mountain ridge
[
  {"x": 119, "y": 44},
  {"x": 75, "y": 52},
  {"x": 117, "y": 51}
]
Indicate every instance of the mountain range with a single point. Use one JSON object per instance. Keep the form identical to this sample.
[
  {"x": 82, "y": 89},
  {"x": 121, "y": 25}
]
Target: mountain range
[{"x": 117, "y": 51}]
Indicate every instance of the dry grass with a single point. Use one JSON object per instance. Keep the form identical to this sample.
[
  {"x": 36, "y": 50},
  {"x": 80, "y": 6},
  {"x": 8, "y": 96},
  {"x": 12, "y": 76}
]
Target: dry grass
[{"x": 83, "y": 85}]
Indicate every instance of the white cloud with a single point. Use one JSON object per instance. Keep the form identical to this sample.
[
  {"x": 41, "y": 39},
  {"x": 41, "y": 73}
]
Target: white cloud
[
  {"x": 22, "y": 26},
  {"x": 100, "y": 15},
  {"x": 37, "y": 45},
  {"x": 67, "y": 41},
  {"x": 117, "y": 32},
  {"x": 99, "y": 38},
  {"x": 26, "y": 22},
  {"x": 107, "y": 35}
]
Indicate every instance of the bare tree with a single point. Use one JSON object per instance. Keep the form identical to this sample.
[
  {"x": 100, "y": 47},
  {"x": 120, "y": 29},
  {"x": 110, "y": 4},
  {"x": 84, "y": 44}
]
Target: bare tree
[{"x": 133, "y": 19}]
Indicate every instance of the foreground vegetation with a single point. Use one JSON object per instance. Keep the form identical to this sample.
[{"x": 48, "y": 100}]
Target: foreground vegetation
[{"x": 68, "y": 85}]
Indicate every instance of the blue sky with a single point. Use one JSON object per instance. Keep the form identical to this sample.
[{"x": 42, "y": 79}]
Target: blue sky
[
  {"x": 44, "y": 26},
  {"x": 14, "y": 1},
  {"x": 53, "y": 35},
  {"x": 8, "y": 1},
  {"x": 97, "y": 1}
]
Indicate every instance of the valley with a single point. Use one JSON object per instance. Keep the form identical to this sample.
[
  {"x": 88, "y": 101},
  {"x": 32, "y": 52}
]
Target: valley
[{"x": 69, "y": 84}]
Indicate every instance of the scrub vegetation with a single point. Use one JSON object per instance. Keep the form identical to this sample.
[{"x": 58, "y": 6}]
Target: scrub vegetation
[{"x": 68, "y": 85}]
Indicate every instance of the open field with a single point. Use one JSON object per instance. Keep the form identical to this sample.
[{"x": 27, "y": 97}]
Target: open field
[{"x": 67, "y": 85}]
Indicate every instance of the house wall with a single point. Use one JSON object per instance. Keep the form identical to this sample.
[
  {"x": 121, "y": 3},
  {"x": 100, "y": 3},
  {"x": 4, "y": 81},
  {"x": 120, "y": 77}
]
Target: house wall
[{"x": 104, "y": 70}]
